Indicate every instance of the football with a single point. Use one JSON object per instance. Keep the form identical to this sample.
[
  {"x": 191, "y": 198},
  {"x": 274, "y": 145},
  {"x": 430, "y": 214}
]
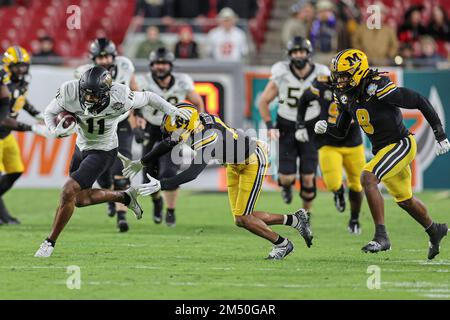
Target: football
[{"x": 67, "y": 117}]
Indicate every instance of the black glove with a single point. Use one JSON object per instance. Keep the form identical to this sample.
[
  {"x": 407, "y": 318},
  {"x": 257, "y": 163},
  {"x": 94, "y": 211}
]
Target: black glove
[{"x": 139, "y": 135}]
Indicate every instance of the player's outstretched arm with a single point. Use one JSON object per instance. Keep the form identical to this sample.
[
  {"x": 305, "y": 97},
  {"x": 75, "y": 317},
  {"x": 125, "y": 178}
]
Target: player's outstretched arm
[
  {"x": 145, "y": 98},
  {"x": 338, "y": 130},
  {"x": 301, "y": 133},
  {"x": 409, "y": 99}
]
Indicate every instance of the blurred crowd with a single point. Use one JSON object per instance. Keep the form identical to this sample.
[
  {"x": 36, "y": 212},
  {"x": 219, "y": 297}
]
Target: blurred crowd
[
  {"x": 418, "y": 38},
  {"x": 414, "y": 36}
]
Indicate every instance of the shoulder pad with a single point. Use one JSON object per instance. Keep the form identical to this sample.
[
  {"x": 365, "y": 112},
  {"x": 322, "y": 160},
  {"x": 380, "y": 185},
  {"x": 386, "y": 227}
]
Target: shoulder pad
[{"x": 279, "y": 68}]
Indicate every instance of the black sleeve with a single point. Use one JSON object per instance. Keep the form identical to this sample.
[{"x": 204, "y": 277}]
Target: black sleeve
[
  {"x": 31, "y": 109},
  {"x": 409, "y": 99},
  {"x": 4, "y": 108},
  {"x": 302, "y": 106},
  {"x": 198, "y": 164},
  {"x": 160, "y": 149},
  {"x": 340, "y": 129},
  {"x": 15, "y": 125}
]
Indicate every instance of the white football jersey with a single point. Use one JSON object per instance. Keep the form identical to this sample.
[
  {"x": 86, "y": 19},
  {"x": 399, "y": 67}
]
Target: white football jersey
[
  {"x": 226, "y": 45},
  {"x": 96, "y": 132},
  {"x": 291, "y": 88},
  {"x": 123, "y": 74},
  {"x": 181, "y": 85}
]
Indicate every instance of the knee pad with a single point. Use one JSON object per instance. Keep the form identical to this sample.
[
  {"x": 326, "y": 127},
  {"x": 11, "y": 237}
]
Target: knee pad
[
  {"x": 305, "y": 190},
  {"x": 121, "y": 183}
]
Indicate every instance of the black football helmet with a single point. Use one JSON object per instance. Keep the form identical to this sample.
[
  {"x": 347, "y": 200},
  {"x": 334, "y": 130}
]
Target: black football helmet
[
  {"x": 94, "y": 90},
  {"x": 299, "y": 43},
  {"x": 161, "y": 55},
  {"x": 104, "y": 47}
]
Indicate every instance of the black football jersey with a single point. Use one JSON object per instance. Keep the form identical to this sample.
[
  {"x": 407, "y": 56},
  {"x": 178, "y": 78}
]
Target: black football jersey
[
  {"x": 377, "y": 111},
  {"x": 321, "y": 91}
]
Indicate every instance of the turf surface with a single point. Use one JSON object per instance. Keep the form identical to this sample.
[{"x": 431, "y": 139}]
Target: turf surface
[{"x": 206, "y": 257}]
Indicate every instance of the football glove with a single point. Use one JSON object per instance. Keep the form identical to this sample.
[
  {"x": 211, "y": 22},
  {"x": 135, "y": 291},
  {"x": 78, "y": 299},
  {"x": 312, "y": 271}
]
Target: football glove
[
  {"x": 40, "y": 130},
  {"x": 442, "y": 147},
  {"x": 130, "y": 167},
  {"x": 178, "y": 112},
  {"x": 320, "y": 127},
  {"x": 301, "y": 134},
  {"x": 60, "y": 132},
  {"x": 149, "y": 188}
]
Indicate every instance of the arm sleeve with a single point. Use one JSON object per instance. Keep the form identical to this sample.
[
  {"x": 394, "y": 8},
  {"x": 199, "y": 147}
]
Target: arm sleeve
[
  {"x": 409, "y": 99},
  {"x": 160, "y": 149},
  {"x": 15, "y": 125},
  {"x": 51, "y": 111},
  {"x": 340, "y": 129},
  {"x": 303, "y": 104},
  {"x": 147, "y": 98},
  {"x": 197, "y": 166},
  {"x": 4, "y": 108},
  {"x": 31, "y": 109}
]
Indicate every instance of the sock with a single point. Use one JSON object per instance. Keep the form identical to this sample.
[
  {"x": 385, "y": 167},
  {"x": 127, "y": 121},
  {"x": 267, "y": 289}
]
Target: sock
[
  {"x": 354, "y": 215},
  {"x": 126, "y": 199},
  {"x": 170, "y": 211},
  {"x": 340, "y": 191},
  {"x": 51, "y": 241},
  {"x": 290, "y": 220},
  {"x": 380, "y": 231},
  {"x": 121, "y": 215},
  {"x": 4, "y": 213},
  {"x": 281, "y": 242}
]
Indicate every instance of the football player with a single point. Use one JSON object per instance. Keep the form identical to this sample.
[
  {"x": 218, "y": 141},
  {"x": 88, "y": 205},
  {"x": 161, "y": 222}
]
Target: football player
[
  {"x": 14, "y": 77},
  {"x": 372, "y": 100},
  {"x": 173, "y": 87},
  {"x": 246, "y": 162},
  {"x": 98, "y": 104},
  {"x": 103, "y": 53},
  {"x": 288, "y": 81},
  {"x": 335, "y": 154}
]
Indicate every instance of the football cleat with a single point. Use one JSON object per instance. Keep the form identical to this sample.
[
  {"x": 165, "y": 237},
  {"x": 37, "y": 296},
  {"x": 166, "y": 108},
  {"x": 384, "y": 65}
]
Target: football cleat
[
  {"x": 303, "y": 226},
  {"x": 439, "y": 232},
  {"x": 279, "y": 252},
  {"x": 134, "y": 204},
  {"x": 111, "y": 209},
  {"x": 45, "y": 250},
  {"x": 170, "y": 219},
  {"x": 158, "y": 206},
  {"x": 354, "y": 227},
  {"x": 122, "y": 223},
  {"x": 286, "y": 194},
  {"x": 339, "y": 200},
  {"x": 377, "y": 245}
]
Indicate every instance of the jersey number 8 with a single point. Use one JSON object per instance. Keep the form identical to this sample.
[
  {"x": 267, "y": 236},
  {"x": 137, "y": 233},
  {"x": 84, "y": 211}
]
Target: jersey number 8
[{"x": 364, "y": 121}]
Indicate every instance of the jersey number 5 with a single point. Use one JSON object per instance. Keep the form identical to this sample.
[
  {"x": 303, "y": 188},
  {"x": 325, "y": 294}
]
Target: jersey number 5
[
  {"x": 364, "y": 121},
  {"x": 100, "y": 123},
  {"x": 292, "y": 97}
]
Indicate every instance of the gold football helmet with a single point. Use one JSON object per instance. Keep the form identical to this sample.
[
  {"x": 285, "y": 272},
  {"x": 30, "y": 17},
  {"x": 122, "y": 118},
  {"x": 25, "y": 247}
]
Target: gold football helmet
[
  {"x": 16, "y": 62},
  {"x": 348, "y": 68},
  {"x": 181, "y": 129}
]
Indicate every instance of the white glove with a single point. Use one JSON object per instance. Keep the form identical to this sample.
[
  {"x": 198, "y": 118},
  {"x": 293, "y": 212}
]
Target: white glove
[
  {"x": 60, "y": 132},
  {"x": 39, "y": 116},
  {"x": 442, "y": 147},
  {"x": 179, "y": 112},
  {"x": 149, "y": 188},
  {"x": 302, "y": 135},
  {"x": 41, "y": 130},
  {"x": 130, "y": 167},
  {"x": 320, "y": 127}
]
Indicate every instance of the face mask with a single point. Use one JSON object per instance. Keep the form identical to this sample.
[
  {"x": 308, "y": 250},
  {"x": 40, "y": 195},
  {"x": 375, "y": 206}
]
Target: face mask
[{"x": 300, "y": 63}]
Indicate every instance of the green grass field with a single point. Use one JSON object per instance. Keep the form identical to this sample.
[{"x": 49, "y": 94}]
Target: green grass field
[{"x": 206, "y": 257}]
